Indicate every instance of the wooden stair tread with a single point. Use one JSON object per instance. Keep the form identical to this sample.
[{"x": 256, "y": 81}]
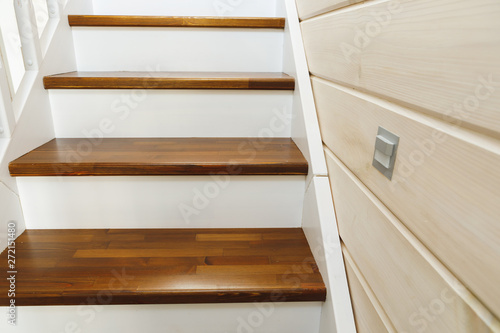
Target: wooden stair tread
[
  {"x": 175, "y": 21},
  {"x": 163, "y": 266},
  {"x": 162, "y": 156},
  {"x": 170, "y": 80}
]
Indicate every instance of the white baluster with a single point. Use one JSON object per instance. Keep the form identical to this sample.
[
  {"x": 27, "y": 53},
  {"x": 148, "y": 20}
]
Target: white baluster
[
  {"x": 28, "y": 32},
  {"x": 55, "y": 8}
]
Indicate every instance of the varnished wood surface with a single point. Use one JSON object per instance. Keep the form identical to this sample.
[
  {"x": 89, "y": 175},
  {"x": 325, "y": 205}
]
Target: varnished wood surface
[
  {"x": 163, "y": 266},
  {"x": 175, "y": 21},
  {"x": 170, "y": 80},
  {"x": 162, "y": 156}
]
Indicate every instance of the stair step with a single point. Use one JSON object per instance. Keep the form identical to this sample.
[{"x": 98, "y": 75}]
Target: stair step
[
  {"x": 175, "y": 21},
  {"x": 161, "y": 157},
  {"x": 170, "y": 80},
  {"x": 163, "y": 266}
]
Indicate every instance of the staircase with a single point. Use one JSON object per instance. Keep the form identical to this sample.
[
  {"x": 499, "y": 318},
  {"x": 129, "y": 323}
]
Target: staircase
[{"x": 172, "y": 196}]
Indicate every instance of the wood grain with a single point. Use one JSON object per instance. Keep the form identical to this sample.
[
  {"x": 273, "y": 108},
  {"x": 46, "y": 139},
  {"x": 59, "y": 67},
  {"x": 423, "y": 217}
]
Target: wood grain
[
  {"x": 188, "y": 273},
  {"x": 404, "y": 276},
  {"x": 419, "y": 54},
  {"x": 368, "y": 313},
  {"x": 170, "y": 80},
  {"x": 445, "y": 189},
  {"x": 162, "y": 156},
  {"x": 175, "y": 21}
]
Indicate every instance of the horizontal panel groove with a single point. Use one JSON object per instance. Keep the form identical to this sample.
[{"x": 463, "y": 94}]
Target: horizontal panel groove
[
  {"x": 170, "y": 80},
  {"x": 404, "y": 275},
  {"x": 175, "y": 21}
]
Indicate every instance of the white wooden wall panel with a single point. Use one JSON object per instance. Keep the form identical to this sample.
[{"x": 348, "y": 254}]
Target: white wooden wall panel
[
  {"x": 445, "y": 188},
  {"x": 370, "y": 316},
  {"x": 10, "y": 211},
  {"x": 416, "y": 291},
  {"x": 178, "y": 49},
  {"x": 438, "y": 56},
  {"x": 305, "y": 129},
  {"x": 171, "y": 113},
  {"x": 162, "y": 202}
]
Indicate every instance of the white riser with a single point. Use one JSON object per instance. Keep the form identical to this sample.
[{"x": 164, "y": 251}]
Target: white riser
[
  {"x": 178, "y": 49},
  {"x": 156, "y": 202},
  {"x": 265, "y": 8},
  {"x": 171, "y": 113},
  {"x": 197, "y": 318}
]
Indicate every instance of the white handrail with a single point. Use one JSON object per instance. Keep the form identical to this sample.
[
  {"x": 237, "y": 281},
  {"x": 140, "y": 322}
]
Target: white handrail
[{"x": 28, "y": 31}]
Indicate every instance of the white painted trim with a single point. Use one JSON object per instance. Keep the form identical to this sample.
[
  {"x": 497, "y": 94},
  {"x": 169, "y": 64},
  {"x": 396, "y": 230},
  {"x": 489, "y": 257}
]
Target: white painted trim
[
  {"x": 178, "y": 49},
  {"x": 6, "y": 70},
  {"x": 320, "y": 227},
  {"x": 370, "y": 296},
  {"x": 28, "y": 31}
]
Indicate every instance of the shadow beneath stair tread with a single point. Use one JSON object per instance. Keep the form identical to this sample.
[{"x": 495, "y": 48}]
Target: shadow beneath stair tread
[{"x": 163, "y": 266}]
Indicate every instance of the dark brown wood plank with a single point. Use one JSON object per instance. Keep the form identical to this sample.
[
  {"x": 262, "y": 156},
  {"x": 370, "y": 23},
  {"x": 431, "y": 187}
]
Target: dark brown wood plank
[
  {"x": 181, "y": 274},
  {"x": 176, "y": 21},
  {"x": 163, "y": 156},
  {"x": 170, "y": 80}
]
